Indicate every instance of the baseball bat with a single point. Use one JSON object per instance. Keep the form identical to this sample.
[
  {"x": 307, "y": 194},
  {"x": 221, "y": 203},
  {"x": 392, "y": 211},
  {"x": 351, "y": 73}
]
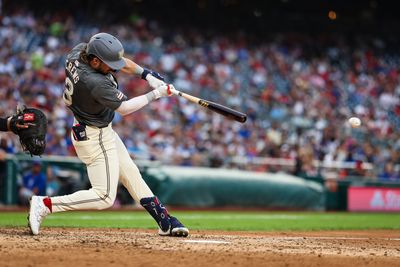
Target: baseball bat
[{"x": 218, "y": 108}]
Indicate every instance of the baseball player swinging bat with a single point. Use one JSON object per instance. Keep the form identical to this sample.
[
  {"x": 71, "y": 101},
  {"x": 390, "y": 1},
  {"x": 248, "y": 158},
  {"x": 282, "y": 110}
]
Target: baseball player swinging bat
[{"x": 224, "y": 111}]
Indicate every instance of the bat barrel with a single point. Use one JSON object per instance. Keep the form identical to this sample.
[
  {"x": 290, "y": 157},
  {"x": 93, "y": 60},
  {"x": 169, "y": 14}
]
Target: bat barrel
[
  {"x": 218, "y": 108},
  {"x": 225, "y": 111}
]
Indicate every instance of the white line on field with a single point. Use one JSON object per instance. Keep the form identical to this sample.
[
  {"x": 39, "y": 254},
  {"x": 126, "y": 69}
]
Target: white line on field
[
  {"x": 206, "y": 241},
  {"x": 351, "y": 238},
  {"x": 306, "y": 237},
  {"x": 338, "y": 238},
  {"x": 326, "y": 237}
]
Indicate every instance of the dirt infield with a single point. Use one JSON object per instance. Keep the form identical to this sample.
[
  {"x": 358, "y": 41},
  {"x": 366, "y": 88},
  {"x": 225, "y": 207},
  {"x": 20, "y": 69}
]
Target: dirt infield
[{"x": 127, "y": 247}]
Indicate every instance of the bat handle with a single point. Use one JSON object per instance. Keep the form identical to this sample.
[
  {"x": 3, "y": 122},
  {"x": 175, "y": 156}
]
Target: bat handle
[{"x": 176, "y": 92}]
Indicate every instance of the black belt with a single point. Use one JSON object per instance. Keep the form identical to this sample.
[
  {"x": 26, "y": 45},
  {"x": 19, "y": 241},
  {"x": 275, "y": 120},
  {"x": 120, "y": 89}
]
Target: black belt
[{"x": 84, "y": 124}]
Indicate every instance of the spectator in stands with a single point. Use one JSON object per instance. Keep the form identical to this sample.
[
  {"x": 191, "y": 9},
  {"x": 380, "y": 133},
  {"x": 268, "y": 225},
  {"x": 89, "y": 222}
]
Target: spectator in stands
[
  {"x": 52, "y": 183},
  {"x": 389, "y": 173},
  {"x": 33, "y": 183}
]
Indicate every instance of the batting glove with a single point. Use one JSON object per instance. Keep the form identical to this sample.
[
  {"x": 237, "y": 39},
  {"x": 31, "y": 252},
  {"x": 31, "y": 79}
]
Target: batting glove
[
  {"x": 163, "y": 90},
  {"x": 154, "y": 78}
]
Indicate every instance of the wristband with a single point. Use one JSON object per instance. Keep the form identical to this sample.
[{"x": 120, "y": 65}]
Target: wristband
[
  {"x": 144, "y": 73},
  {"x": 152, "y": 73},
  {"x": 153, "y": 95}
]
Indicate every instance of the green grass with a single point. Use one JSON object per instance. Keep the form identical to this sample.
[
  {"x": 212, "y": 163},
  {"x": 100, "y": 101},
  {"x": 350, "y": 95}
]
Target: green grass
[{"x": 217, "y": 220}]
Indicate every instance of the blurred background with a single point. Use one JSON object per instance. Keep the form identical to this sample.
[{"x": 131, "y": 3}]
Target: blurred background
[{"x": 299, "y": 69}]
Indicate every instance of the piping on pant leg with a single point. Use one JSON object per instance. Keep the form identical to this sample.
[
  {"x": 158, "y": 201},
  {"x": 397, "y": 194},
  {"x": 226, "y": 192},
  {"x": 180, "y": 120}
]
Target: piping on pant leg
[{"x": 98, "y": 197}]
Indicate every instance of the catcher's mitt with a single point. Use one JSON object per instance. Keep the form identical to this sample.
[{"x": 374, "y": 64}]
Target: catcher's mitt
[{"x": 33, "y": 138}]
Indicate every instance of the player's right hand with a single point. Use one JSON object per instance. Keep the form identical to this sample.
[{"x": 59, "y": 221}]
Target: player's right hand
[{"x": 163, "y": 90}]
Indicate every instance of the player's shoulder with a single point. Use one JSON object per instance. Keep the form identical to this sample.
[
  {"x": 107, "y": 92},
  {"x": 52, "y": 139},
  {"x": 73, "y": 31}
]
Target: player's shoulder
[
  {"x": 79, "y": 47},
  {"x": 75, "y": 52}
]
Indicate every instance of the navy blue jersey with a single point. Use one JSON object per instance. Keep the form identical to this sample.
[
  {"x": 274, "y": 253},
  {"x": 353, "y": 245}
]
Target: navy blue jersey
[{"x": 92, "y": 96}]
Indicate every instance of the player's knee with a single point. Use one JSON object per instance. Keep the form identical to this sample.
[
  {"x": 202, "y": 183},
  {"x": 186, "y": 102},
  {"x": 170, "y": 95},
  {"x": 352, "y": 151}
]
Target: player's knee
[
  {"x": 106, "y": 202},
  {"x": 109, "y": 202}
]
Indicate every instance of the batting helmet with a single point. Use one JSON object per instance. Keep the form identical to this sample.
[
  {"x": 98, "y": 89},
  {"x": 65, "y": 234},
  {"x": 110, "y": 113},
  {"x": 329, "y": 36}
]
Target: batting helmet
[{"x": 107, "y": 48}]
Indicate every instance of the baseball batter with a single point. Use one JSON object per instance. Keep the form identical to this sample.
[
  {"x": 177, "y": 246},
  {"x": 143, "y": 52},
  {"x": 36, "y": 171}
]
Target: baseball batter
[{"x": 91, "y": 93}]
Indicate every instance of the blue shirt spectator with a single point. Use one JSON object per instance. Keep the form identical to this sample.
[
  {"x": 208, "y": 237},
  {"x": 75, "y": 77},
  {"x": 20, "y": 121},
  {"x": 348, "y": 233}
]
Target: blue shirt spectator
[
  {"x": 33, "y": 183},
  {"x": 389, "y": 173}
]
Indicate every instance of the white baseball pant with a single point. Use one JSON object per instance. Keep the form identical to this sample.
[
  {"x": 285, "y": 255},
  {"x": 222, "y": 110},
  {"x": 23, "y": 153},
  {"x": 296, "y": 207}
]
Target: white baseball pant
[{"x": 107, "y": 161}]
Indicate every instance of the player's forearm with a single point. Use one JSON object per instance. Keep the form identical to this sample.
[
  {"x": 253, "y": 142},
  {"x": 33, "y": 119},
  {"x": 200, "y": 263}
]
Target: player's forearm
[
  {"x": 136, "y": 103},
  {"x": 152, "y": 77},
  {"x": 4, "y": 124},
  {"x": 131, "y": 67}
]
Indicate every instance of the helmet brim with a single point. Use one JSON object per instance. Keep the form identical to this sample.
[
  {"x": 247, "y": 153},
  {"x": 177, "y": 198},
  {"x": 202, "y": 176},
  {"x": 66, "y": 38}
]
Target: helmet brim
[{"x": 115, "y": 65}]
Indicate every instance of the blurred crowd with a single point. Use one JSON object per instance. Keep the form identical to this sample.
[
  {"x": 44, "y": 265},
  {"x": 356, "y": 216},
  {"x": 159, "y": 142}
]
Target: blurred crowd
[{"x": 298, "y": 91}]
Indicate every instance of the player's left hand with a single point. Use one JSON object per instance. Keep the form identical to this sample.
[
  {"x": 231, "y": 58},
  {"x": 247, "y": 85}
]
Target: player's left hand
[
  {"x": 154, "y": 78},
  {"x": 154, "y": 82}
]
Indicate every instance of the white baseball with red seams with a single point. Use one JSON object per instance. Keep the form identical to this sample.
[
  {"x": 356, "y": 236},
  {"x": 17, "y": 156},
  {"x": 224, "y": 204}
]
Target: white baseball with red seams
[{"x": 355, "y": 122}]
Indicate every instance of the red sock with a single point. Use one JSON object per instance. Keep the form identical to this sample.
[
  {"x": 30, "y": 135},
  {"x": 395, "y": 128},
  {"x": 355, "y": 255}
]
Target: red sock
[{"x": 47, "y": 203}]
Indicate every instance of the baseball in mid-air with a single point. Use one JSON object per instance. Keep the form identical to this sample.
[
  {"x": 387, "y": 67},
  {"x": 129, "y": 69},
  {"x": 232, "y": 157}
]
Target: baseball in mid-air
[{"x": 355, "y": 122}]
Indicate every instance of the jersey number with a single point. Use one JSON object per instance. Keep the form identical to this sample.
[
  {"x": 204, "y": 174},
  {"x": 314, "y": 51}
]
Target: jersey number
[{"x": 68, "y": 91}]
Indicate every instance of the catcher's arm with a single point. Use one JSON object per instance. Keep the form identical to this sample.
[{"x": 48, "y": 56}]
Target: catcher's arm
[
  {"x": 5, "y": 124},
  {"x": 14, "y": 124}
]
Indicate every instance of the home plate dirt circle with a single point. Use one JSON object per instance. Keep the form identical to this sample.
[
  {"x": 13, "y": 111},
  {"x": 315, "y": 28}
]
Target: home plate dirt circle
[{"x": 65, "y": 247}]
